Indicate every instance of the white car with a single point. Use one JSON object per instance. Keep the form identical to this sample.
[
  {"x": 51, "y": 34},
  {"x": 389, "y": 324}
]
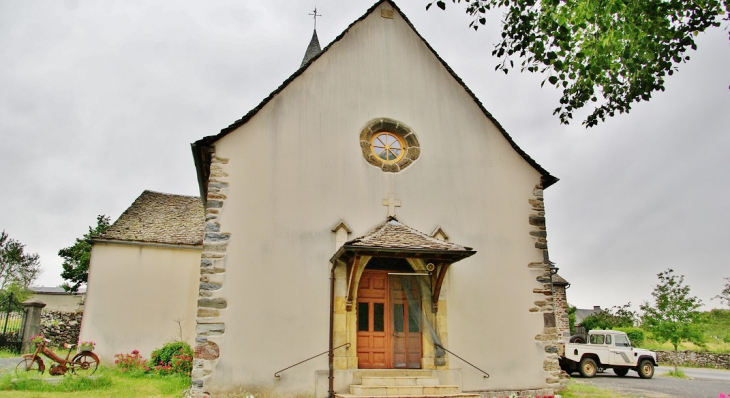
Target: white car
[{"x": 607, "y": 349}]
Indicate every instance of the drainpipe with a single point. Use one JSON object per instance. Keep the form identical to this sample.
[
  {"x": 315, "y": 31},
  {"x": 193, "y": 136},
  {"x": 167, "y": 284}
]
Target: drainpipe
[{"x": 331, "y": 392}]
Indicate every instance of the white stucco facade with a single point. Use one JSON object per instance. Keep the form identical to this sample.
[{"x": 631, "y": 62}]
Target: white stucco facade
[
  {"x": 296, "y": 169},
  {"x": 136, "y": 294}
]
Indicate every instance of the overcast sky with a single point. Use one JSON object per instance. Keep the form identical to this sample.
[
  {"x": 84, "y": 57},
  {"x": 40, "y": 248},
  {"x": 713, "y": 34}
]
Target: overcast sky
[{"x": 100, "y": 100}]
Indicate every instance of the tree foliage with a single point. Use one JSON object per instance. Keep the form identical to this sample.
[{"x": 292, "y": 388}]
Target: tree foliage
[
  {"x": 16, "y": 266},
  {"x": 571, "y": 318},
  {"x": 674, "y": 315},
  {"x": 76, "y": 257},
  {"x": 724, "y": 296},
  {"x": 615, "y": 317},
  {"x": 605, "y": 54}
]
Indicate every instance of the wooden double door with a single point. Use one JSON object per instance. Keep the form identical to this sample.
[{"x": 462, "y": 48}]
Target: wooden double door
[{"x": 388, "y": 328}]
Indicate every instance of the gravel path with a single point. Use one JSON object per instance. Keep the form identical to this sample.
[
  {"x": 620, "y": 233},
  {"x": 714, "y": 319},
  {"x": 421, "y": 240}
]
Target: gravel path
[{"x": 8, "y": 363}]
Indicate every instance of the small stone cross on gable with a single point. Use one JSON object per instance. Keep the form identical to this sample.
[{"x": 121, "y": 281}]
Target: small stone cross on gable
[{"x": 392, "y": 203}]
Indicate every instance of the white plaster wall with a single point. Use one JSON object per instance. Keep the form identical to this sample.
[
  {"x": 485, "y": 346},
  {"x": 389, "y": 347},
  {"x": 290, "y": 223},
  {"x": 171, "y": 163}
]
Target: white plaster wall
[
  {"x": 59, "y": 302},
  {"x": 135, "y": 294},
  {"x": 296, "y": 169}
]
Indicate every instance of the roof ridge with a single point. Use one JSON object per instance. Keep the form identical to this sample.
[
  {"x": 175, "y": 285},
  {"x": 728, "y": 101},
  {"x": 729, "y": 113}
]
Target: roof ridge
[{"x": 171, "y": 194}]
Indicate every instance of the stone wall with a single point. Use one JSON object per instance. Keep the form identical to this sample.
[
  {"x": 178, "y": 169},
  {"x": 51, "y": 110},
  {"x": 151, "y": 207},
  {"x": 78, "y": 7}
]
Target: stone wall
[
  {"x": 544, "y": 304},
  {"x": 61, "y": 327},
  {"x": 211, "y": 300},
  {"x": 562, "y": 319},
  {"x": 692, "y": 358}
]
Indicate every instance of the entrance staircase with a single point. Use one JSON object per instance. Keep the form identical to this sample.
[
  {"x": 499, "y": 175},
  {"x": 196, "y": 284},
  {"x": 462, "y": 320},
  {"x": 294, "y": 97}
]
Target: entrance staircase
[{"x": 401, "y": 384}]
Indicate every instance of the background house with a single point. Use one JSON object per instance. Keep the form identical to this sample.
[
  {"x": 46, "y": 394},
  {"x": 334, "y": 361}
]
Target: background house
[{"x": 57, "y": 299}]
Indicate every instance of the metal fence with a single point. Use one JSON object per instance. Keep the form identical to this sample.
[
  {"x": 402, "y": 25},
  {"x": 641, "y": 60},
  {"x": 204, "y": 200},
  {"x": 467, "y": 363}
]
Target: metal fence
[{"x": 12, "y": 320}]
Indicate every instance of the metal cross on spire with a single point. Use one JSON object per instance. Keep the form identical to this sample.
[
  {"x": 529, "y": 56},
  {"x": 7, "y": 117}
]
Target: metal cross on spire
[{"x": 315, "y": 15}]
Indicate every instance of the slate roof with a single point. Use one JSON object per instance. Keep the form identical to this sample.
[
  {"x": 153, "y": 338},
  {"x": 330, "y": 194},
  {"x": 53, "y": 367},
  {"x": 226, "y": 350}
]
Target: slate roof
[
  {"x": 558, "y": 280},
  {"x": 394, "y": 235},
  {"x": 312, "y": 50},
  {"x": 55, "y": 290},
  {"x": 202, "y": 148},
  {"x": 394, "y": 239},
  {"x": 156, "y": 217}
]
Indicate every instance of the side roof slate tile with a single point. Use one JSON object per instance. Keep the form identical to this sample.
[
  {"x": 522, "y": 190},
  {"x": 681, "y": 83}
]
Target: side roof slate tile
[{"x": 163, "y": 218}]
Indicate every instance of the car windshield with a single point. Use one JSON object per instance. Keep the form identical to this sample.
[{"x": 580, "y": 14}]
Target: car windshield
[{"x": 597, "y": 338}]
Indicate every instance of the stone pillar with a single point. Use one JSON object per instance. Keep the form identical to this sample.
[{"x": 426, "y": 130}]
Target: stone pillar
[{"x": 32, "y": 324}]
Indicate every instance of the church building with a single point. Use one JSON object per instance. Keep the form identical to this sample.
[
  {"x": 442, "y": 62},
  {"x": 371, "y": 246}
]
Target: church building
[{"x": 371, "y": 210}]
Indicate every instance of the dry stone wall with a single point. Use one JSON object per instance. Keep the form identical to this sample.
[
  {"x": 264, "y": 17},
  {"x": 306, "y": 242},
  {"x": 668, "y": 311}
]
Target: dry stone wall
[
  {"x": 692, "y": 358},
  {"x": 61, "y": 327}
]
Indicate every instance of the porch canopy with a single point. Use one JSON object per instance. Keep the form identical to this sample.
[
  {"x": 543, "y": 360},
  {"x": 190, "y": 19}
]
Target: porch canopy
[{"x": 396, "y": 240}]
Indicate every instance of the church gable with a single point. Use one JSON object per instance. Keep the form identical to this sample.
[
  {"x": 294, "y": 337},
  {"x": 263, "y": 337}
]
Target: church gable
[
  {"x": 374, "y": 124},
  {"x": 382, "y": 28}
]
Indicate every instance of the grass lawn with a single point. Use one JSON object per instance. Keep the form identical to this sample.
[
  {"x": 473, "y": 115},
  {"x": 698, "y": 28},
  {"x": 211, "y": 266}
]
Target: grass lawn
[
  {"x": 577, "y": 389},
  {"x": 111, "y": 383},
  {"x": 8, "y": 354},
  {"x": 712, "y": 345}
]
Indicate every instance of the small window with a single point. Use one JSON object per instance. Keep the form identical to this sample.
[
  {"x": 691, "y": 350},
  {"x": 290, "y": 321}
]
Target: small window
[
  {"x": 414, "y": 320},
  {"x": 363, "y": 317},
  {"x": 597, "y": 338},
  {"x": 398, "y": 320},
  {"x": 622, "y": 341},
  {"x": 387, "y": 147},
  {"x": 608, "y": 339},
  {"x": 378, "y": 317}
]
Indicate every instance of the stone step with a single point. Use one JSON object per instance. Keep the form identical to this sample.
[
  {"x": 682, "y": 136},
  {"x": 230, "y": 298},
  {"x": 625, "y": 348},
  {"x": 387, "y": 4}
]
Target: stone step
[
  {"x": 459, "y": 395},
  {"x": 406, "y": 390},
  {"x": 400, "y": 381}
]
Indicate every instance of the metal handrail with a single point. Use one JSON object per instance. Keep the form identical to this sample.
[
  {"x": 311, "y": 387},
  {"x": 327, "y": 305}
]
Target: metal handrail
[
  {"x": 277, "y": 374},
  {"x": 486, "y": 375}
]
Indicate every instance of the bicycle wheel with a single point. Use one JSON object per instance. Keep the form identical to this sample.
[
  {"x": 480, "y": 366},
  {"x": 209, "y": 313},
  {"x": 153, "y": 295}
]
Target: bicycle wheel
[
  {"x": 85, "y": 364},
  {"x": 28, "y": 365}
]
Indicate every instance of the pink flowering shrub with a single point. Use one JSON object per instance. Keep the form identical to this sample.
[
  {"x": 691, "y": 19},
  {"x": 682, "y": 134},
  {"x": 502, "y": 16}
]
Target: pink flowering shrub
[
  {"x": 173, "y": 358},
  {"x": 131, "y": 362},
  {"x": 182, "y": 364}
]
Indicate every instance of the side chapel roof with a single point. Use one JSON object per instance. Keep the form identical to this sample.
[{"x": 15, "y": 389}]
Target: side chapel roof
[
  {"x": 202, "y": 148},
  {"x": 160, "y": 218}
]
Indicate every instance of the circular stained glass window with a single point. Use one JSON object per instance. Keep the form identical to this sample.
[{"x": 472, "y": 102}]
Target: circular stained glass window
[{"x": 387, "y": 146}]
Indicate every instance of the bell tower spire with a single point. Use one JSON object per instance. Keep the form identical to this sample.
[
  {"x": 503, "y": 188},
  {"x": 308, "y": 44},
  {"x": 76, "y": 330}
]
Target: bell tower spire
[{"x": 313, "y": 49}]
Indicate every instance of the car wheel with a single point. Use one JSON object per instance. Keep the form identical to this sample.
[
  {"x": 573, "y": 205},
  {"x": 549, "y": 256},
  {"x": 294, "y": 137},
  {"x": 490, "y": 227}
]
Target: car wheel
[
  {"x": 620, "y": 372},
  {"x": 587, "y": 367},
  {"x": 646, "y": 369}
]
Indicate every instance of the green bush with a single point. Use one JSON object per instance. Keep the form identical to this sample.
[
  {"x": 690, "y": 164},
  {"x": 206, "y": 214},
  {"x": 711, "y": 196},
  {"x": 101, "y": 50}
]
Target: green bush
[
  {"x": 173, "y": 357},
  {"x": 636, "y": 335},
  {"x": 163, "y": 356}
]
